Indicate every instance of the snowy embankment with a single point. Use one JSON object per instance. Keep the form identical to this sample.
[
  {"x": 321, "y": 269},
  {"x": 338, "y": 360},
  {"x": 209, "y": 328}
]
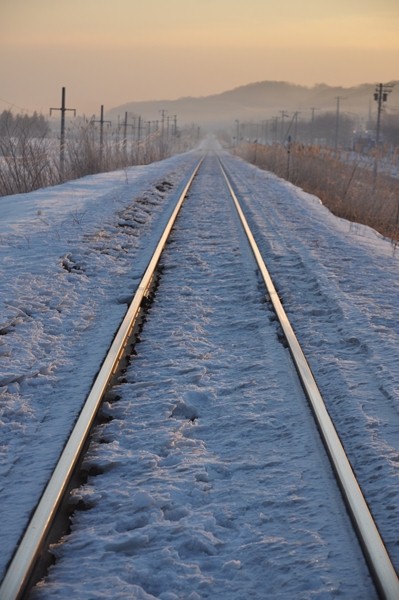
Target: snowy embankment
[
  {"x": 71, "y": 257},
  {"x": 340, "y": 287}
]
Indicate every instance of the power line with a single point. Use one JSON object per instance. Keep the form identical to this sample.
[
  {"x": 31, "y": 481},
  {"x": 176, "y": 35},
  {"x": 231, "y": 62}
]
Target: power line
[{"x": 12, "y": 104}]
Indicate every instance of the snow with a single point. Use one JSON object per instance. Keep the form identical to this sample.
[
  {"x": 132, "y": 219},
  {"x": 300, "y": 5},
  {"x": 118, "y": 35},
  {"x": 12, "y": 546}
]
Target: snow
[
  {"x": 171, "y": 526},
  {"x": 71, "y": 257}
]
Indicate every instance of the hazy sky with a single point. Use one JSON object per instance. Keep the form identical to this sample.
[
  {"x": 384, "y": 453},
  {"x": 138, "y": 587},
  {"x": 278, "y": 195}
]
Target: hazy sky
[{"x": 113, "y": 51}]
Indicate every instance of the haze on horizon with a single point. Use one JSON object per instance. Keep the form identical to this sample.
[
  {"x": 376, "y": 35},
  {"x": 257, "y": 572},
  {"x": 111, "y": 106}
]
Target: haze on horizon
[{"x": 115, "y": 52}]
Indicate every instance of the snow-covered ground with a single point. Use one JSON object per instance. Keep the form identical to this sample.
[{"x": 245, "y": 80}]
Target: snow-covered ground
[
  {"x": 71, "y": 257},
  {"x": 387, "y": 165},
  {"x": 339, "y": 285}
]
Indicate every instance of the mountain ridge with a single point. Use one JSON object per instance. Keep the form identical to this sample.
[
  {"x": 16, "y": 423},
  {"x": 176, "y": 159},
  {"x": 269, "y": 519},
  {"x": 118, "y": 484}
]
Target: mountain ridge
[{"x": 260, "y": 100}]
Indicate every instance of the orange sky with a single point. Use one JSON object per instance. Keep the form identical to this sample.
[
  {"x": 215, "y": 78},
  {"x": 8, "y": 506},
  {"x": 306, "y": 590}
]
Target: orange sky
[{"x": 111, "y": 52}]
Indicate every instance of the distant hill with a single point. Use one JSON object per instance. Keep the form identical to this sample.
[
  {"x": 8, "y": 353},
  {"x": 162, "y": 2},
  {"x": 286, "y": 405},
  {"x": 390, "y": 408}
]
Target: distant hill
[{"x": 257, "y": 101}]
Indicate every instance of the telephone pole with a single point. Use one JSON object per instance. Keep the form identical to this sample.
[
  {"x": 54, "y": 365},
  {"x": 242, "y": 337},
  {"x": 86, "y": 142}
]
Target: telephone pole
[
  {"x": 125, "y": 126},
  {"x": 237, "y": 122},
  {"x": 101, "y": 121},
  {"x": 283, "y": 115},
  {"x": 313, "y": 108},
  {"x": 62, "y": 136},
  {"x": 163, "y": 112},
  {"x": 338, "y": 99},
  {"x": 380, "y": 96},
  {"x": 174, "y": 117},
  {"x": 138, "y": 138}
]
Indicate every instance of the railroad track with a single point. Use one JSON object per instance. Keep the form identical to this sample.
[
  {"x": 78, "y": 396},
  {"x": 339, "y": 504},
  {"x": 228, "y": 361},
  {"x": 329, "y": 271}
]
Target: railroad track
[{"x": 44, "y": 527}]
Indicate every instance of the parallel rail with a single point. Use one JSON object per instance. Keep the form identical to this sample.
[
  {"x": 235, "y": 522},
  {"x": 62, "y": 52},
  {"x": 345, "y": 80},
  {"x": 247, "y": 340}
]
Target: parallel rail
[
  {"x": 380, "y": 565},
  {"x": 18, "y": 578}
]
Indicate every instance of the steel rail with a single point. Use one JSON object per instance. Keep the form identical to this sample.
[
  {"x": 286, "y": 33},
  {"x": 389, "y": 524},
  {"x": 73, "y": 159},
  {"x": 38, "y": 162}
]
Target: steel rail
[
  {"x": 18, "y": 574},
  {"x": 379, "y": 562}
]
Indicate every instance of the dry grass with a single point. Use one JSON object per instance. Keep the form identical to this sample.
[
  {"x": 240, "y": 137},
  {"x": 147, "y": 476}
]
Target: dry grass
[
  {"x": 28, "y": 163},
  {"x": 347, "y": 187}
]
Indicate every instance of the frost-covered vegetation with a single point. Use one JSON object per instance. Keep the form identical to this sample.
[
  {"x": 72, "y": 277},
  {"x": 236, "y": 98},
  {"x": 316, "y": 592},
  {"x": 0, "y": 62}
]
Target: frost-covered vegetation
[
  {"x": 30, "y": 152},
  {"x": 350, "y": 164},
  {"x": 357, "y": 187}
]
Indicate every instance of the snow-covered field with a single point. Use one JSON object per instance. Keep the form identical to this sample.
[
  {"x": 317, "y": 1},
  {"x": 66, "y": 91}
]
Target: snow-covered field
[{"x": 71, "y": 257}]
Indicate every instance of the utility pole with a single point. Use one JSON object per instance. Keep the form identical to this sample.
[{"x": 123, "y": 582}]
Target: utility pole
[
  {"x": 174, "y": 117},
  {"x": 288, "y": 155},
  {"x": 283, "y": 115},
  {"x": 101, "y": 121},
  {"x": 138, "y": 129},
  {"x": 256, "y": 141},
  {"x": 138, "y": 137},
  {"x": 124, "y": 143},
  {"x": 162, "y": 111},
  {"x": 125, "y": 126},
  {"x": 296, "y": 125},
  {"x": 237, "y": 122},
  {"x": 62, "y": 136},
  {"x": 294, "y": 121},
  {"x": 338, "y": 99},
  {"x": 313, "y": 108},
  {"x": 288, "y": 141},
  {"x": 380, "y": 95}
]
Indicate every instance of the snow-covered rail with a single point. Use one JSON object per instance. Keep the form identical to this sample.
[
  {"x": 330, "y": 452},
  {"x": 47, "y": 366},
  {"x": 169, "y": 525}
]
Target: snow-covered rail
[
  {"x": 379, "y": 562},
  {"x": 19, "y": 573},
  {"x": 19, "y": 576}
]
